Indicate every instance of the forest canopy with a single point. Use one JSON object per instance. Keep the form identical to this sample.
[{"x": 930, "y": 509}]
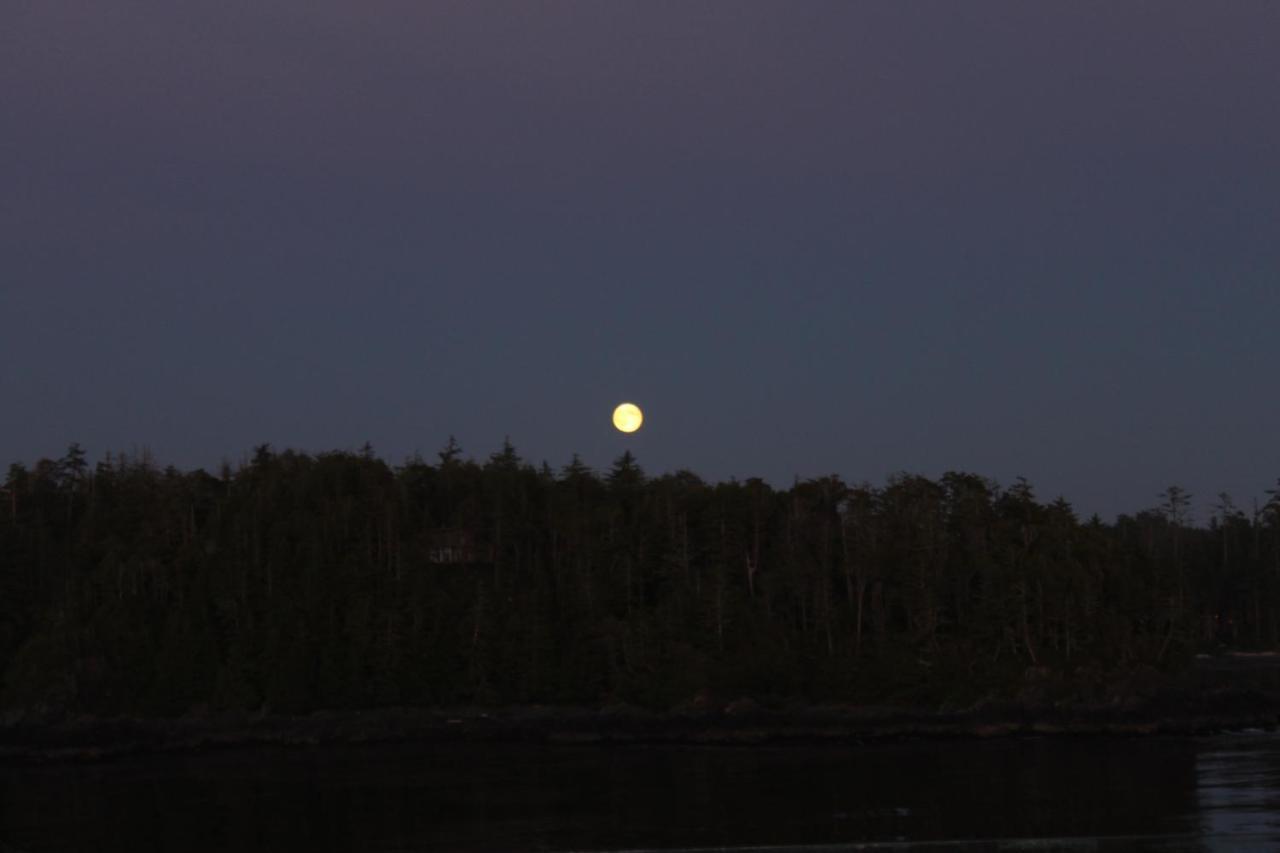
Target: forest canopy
[{"x": 296, "y": 582}]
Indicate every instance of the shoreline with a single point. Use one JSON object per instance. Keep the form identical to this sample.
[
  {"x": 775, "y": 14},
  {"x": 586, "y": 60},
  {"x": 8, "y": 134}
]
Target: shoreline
[{"x": 740, "y": 723}]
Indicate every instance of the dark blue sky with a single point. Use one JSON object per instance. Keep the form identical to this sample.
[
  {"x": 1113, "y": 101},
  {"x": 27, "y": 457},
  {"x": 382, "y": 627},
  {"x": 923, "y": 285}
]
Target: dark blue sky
[{"x": 808, "y": 238}]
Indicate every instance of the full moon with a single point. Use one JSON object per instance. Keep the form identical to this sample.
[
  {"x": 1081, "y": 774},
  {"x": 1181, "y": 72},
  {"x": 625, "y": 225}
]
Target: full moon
[{"x": 628, "y": 417}]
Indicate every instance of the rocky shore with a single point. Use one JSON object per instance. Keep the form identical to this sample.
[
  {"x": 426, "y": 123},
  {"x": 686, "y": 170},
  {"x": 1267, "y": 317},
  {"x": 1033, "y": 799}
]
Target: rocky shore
[
  {"x": 1221, "y": 693},
  {"x": 29, "y": 738}
]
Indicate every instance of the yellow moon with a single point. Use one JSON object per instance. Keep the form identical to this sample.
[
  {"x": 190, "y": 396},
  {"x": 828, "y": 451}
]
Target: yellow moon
[{"x": 628, "y": 417}]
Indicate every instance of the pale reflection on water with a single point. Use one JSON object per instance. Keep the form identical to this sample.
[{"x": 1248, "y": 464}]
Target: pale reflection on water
[
  {"x": 1099, "y": 794},
  {"x": 1238, "y": 791}
]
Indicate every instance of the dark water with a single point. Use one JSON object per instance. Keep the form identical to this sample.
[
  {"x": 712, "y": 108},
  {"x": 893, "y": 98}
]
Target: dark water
[{"x": 1220, "y": 793}]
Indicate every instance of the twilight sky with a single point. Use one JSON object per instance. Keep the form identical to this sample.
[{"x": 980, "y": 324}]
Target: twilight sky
[{"x": 808, "y": 238}]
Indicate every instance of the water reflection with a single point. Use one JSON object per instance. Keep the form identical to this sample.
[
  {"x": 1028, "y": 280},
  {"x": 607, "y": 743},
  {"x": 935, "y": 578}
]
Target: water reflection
[
  {"x": 1012, "y": 794},
  {"x": 1238, "y": 791}
]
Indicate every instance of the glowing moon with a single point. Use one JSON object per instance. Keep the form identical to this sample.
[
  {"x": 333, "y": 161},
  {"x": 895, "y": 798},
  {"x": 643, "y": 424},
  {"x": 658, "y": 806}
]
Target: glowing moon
[{"x": 628, "y": 417}]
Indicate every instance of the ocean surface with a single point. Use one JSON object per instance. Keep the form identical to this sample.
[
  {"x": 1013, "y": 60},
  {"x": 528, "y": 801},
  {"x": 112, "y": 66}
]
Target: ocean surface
[{"x": 1105, "y": 794}]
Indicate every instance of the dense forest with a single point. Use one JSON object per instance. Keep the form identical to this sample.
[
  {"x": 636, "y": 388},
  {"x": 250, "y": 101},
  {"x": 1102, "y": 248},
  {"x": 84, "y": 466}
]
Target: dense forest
[{"x": 296, "y": 582}]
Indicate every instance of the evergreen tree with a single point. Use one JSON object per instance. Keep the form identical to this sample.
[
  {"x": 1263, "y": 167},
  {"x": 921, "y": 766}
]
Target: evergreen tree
[{"x": 295, "y": 582}]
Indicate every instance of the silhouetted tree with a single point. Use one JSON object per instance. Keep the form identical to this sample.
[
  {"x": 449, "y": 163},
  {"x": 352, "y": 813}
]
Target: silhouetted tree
[{"x": 296, "y": 582}]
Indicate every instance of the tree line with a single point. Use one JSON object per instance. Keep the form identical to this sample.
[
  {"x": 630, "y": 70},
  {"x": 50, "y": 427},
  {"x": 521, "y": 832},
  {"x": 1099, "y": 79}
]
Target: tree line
[{"x": 296, "y": 582}]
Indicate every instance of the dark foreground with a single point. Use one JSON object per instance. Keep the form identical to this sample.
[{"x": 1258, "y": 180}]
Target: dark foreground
[{"x": 1014, "y": 793}]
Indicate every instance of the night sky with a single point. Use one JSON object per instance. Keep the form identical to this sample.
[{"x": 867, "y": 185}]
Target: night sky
[{"x": 808, "y": 238}]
